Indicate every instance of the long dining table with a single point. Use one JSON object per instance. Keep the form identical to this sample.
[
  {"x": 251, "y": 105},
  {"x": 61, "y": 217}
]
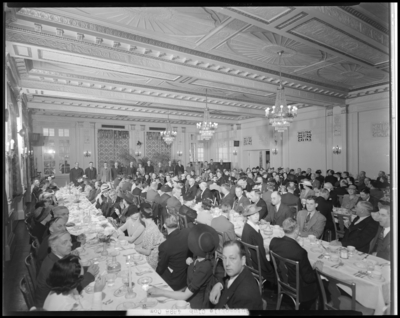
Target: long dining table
[
  {"x": 370, "y": 292},
  {"x": 143, "y": 275}
]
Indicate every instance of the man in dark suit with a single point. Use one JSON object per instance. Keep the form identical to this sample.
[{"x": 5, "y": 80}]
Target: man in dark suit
[
  {"x": 279, "y": 212},
  {"x": 382, "y": 248},
  {"x": 165, "y": 195},
  {"x": 223, "y": 225},
  {"x": 241, "y": 201},
  {"x": 319, "y": 177},
  {"x": 220, "y": 178},
  {"x": 179, "y": 169},
  {"x": 227, "y": 197},
  {"x": 148, "y": 169},
  {"x": 91, "y": 172},
  {"x": 366, "y": 196},
  {"x": 190, "y": 194},
  {"x": 239, "y": 289},
  {"x": 220, "y": 166},
  {"x": 173, "y": 201},
  {"x": 204, "y": 194},
  {"x": 170, "y": 168},
  {"x": 325, "y": 207},
  {"x": 308, "y": 174},
  {"x": 362, "y": 230},
  {"x": 131, "y": 170},
  {"x": 211, "y": 166},
  {"x": 330, "y": 177},
  {"x": 60, "y": 244},
  {"x": 136, "y": 187},
  {"x": 115, "y": 171},
  {"x": 75, "y": 174},
  {"x": 289, "y": 248},
  {"x": 290, "y": 198},
  {"x": 172, "y": 254},
  {"x": 255, "y": 198}
]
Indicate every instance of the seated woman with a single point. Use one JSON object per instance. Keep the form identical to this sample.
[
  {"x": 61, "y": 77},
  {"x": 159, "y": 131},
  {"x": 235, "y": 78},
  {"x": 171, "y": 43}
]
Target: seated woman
[
  {"x": 350, "y": 200},
  {"x": 307, "y": 189},
  {"x": 202, "y": 242},
  {"x": 151, "y": 238},
  {"x": 64, "y": 277},
  {"x": 134, "y": 226}
]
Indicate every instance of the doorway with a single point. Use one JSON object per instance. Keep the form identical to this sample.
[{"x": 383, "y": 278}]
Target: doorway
[{"x": 267, "y": 159}]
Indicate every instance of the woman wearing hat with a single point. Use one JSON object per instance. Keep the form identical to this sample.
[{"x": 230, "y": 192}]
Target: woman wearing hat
[
  {"x": 133, "y": 225},
  {"x": 202, "y": 242},
  {"x": 307, "y": 189},
  {"x": 151, "y": 237},
  {"x": 350, "y": 200}
]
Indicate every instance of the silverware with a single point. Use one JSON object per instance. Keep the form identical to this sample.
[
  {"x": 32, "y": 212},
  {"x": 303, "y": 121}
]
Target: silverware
[{"x": 366, "y": 256}]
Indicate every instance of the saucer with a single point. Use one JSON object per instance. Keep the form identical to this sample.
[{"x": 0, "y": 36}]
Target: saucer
[
  {"x": 149, "y": 303},
  {"x": 362, "y": 265},
  {"x": 149, "y": 280},
  {"x": 187, "y": 306},
  {"x": 317, "y": 250},
  {"x": 128, "y": 305}
]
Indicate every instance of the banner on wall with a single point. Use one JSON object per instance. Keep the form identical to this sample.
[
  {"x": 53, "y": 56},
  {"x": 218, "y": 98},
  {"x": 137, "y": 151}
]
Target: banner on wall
[
  {"x": 247, "y": 141},
  {"x": 304, "y": 135}
]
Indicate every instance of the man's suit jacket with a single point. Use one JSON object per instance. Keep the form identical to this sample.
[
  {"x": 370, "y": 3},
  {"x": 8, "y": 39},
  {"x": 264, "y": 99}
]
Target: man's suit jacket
[
  {"x": 179, "y": 169},
  {"x": 315, "y": 225},
  {"x": 374, "y": 203},
  {"x": 222, "y": 224},
  {"x": 91, "y": 173},
  {"x": 291, "y": 199},
  {"x": 163, "y": 200},
  {"x": 105, "y": 174},
  {"x": 228, "y": 199},
  {"x": 172, "y": 255},
  {"x": 191, "y": 193},
  {"x": 173, "y": 202},
  {"x": 137, "y": 191},
  {"x": 316, "y": 183},
  {"x": 289, "y": 248},
  {"x": 277, "y": 217},
  {"x": 325, "y": 207},
  {"x": 243, "y": 293},
  {"x": 252, "y": 237},
  {"x": 158, "y": 170},
  {"x": 115, "y": 172},
  {"x": 148, "y": 169},
  {"x": 240, "y": 205},
  {"x": 42, "y": 290},
  {"x": 382, "y": 247},
  {"x": 206, "y": 194},
  {"x": 266, "y": 196},
  {"x": 331, "y": 179},
  {"x": 93, "y": 194},
  {"x": 170, "y": 169},
  {"x": 264, "y": 210},
  {"x": 130, "y": 171},
  {"x": 75, "y": 174},
  {"x": 360, "y": 235},
  {"x": 151, "y": 195},
  {"x": 321, "y": 179}
]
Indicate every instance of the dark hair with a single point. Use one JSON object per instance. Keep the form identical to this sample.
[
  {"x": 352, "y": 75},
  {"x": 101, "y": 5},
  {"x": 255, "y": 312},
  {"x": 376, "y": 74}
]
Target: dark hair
[
  {"x": 65, "y": 275},
  {"x": 365, "y": 190},
  {"x": 39, "y": 204},
  {"x": 312, "y": 197},
  {"x": 90, "y": 162},
  {"x": 53, "y": 220},
  {"x": 239, "y": 244}
]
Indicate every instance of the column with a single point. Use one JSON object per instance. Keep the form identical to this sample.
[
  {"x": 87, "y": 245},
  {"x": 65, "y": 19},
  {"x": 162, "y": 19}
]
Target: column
[
  {"x": 329, "y": 138},
  {"x": 339, "y": 138},
  {"x": 353, "y": 154}
]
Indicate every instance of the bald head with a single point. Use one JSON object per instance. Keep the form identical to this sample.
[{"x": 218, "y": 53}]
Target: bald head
[
  {"x": 275, "y": 198},
  {"x": 61, "y": 211}
]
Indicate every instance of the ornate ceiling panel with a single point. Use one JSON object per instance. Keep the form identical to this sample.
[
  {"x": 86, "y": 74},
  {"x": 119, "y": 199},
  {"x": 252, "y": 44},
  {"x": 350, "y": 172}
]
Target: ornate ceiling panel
[{"x": 160, "y": 60}]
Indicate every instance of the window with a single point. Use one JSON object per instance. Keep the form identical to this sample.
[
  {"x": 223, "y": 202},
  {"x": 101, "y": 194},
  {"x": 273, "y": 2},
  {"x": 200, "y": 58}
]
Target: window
[
  {"x": 63, "y": 133},
  {"x": 56, "y": 151},
  {"x": 222, "y": 152},
  {"x": 200, "y": 152},
  {"x": 48, "y": 132}
]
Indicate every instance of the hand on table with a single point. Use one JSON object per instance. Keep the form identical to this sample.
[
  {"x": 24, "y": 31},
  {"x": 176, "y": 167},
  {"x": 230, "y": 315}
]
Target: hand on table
[
  {"x": 100, "y": 284},
  {"x": 154, "y": 291},
  {"x": 215, "y": 294},
  {"x": 94, "y": 269},
  {"x": 319, "y": 265}
]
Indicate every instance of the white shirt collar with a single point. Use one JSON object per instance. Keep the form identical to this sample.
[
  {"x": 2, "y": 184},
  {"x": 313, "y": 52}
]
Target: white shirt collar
[
  {"x": 277, "y": 207},
  {"x": 386, "y": 230},
  {"x": 232, "y": 279},
  {"x": 312, "y": 214}
]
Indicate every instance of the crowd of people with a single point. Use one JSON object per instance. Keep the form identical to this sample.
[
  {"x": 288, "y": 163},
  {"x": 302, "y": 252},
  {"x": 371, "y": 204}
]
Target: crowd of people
[{"x": 145, "y": 204}]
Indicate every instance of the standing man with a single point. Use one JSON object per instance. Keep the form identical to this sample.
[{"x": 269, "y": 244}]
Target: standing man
[
  {"x": 170, "y": 168},
  {"x": 311, "y": 221},
  {"x": 131, "y": 170},
  {"x": 115, "y": 171},
  {"x": 179, "y": 169},
  {"x": 212, "y": 166},
  {"x": 149, "y": 169},
  {"x": 91, "y": 172},
  {"x": 105, "y": 173},
  {"x": 197, "y": 168},
  {"x": 75, "y": 174},
  {"x": 382, "y": 248},
  {"x": 220, "y": 166},
  {"x": 159, "y": 169}
]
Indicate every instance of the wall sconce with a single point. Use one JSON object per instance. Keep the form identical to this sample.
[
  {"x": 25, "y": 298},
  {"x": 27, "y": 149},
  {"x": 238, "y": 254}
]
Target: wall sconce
[
  {"x": 235, "y": 152},
  {"x": 274, "y": 151},
  {"x": 138, "y": 153},
  {"x": 10, "y": 152},
  {"x": 87, "y": 153},
  {"x": 25, "y": 153},
  {"x": 336, "y": 150},
  {"x": 22, "y": 132},
  {"x": 30, "y": 153},
  {"x": 51, "y": 151},
  {"x": 180, "y": 153}
]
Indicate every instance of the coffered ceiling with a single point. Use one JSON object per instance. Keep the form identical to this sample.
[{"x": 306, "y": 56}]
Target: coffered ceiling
[{"x": 144, "y": 63}]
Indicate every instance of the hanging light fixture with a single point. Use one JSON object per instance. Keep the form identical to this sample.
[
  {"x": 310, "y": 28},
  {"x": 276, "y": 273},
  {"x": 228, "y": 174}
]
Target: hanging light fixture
[
  {"x": 168, "y": 135},
  {"x": 206, "y": 128},
  {"x": 281, "y": 115}
]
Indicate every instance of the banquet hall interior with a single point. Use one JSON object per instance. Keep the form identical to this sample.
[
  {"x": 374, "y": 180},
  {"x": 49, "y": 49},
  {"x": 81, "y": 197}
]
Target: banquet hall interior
[{"x": 233, "y": 98}]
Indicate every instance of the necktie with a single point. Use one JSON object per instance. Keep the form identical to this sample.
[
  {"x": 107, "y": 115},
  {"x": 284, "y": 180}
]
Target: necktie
[
  {"x": 308, "y": 217},
  {"x": 356, "y": 220},
  {"x": 381, "y": 234}
]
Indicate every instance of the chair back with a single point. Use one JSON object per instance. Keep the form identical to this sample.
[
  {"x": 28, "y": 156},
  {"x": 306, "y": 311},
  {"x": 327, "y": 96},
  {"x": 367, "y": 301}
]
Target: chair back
[
  {"x": 281, "y": 266},
  {"x": 334, "y": 290},
  {"x": 294, "y": 209},
  {"x": 340, "y": 197},
  {"x": 339, "y": 228},
  {"x": 374, "y": 240},
  {"x": 249, "y": 264},
  {"x": 182, "y": 221},
  {"x": 35, "y": 246},
  {"x": 30, "y": 263},
  {"x": 27, "y": 290}
]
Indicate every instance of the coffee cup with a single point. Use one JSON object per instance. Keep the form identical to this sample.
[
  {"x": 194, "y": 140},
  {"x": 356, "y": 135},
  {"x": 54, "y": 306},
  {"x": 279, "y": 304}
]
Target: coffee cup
[
  {"x": 181, "y": 304},
  {"x": 351, "y": 249},
  {"x": 376, "y": 274}
]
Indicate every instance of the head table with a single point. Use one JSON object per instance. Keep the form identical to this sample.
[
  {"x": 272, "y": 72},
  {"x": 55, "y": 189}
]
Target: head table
[
  {"x": 91, "y": 253},
  {"x": 370, "y": 292}
]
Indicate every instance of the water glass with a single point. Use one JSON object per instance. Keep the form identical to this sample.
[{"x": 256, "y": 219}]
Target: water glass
[
  {"x": 370, "y": 269},
  {"x": 110, "y": 279}
]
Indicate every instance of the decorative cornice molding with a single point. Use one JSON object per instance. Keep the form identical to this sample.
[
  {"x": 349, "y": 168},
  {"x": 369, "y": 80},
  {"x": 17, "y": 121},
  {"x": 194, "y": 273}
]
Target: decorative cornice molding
[
  {"x": 364, "y": 18},
  {"x": 247, "y": 15},
  {"x": 133, "y": 37},
  {"x": 291, "y": 20},
  {"x": 344, "y": 109}
]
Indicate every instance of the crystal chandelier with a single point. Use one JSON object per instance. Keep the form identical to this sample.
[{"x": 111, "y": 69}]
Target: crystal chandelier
[
  {"x": 281, "y": 115},
  {"x": 168, "y": 135},
  {"x": 206, "y": 128}
]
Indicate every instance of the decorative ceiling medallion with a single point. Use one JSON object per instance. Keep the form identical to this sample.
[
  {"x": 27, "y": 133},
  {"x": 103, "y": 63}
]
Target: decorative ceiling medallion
[
  {"x": 263, "y": 45},
  {"x": 349, "y": 74}
]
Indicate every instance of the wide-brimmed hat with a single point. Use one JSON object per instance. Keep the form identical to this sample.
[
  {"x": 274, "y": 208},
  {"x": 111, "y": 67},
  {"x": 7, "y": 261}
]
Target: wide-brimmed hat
[
  {"x": 328, "y": 186},
  {"x": 202, "y": 240},
  {"x": 251, "y": 209},
  {"x": 146, "y": 209},
  {"x": 191, "y": 214},
  {"x": 352, "y": 186},
  {"x": 41, "y": 213},
  {"x": 207, "y": 204},
  {"x": 128, "y": 197},
  {"x": 306, "y": 183},
  {"x": 105, "y": 187},
  {"x": 166, "y": 188}
]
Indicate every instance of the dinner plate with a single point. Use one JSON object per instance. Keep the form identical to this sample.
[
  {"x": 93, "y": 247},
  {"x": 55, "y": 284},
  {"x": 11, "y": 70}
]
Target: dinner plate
[
  {"x": 187, "y": 306},
  {"x": 160, "y": 298},
  {"x": 382, "y": 279},
  {"x": 128, "y": 305},
  {"x": 317, "y": 250},
  {"x": 149, "y": 280},
  {"x": 148, "y": 303},
  {"x": 120, "y": 291},
  {"x": 362, "y": 265}
]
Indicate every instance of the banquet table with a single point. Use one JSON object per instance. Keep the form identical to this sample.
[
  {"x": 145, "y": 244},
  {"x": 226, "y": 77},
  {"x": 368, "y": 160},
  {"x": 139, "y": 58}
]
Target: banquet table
[{"x": 91, "y": 253}]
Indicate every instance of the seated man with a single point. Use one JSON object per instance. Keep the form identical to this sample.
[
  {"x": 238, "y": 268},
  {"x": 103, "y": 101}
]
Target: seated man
[
  {"x": 240, "y": 289},
  {"x": 226, "y": 196},
  {"x": 255, "y": 198},
  {"x": 190, "y": 194},
  {"x": 174, "y": 200},
  {"x": 222, "y": 224},
  {"x": 366, "y": 196},
  {"x": 42, "y": 216},
  {"x": 382, "y": 247},
  {"x": 60, "y": 244},
  {"x": 362, "y": 230},
  {"x": 172, "y": 254},
  {"x": 241, "y": 201},
  {"x": 277, "y": 212},
  {"x": 311, "y": 221},
  {"x": 289, "y": 248}
]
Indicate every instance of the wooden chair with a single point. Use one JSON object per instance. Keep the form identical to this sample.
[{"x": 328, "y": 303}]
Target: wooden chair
[
  {"x": 373, "y": 241},
  {"x": 339, "y": 228},
  {"x": 182, "y": 221},
  {"x": 282, "y": 275},
  {"x": 338, "y": 300},
  {"x": 249, "y": 264},
  {"x": 35, "y": 246},
  {"x": 27, "y": 290},
  {"x": 340, "y": 198},
  {"x": 30, "y": 263}
]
